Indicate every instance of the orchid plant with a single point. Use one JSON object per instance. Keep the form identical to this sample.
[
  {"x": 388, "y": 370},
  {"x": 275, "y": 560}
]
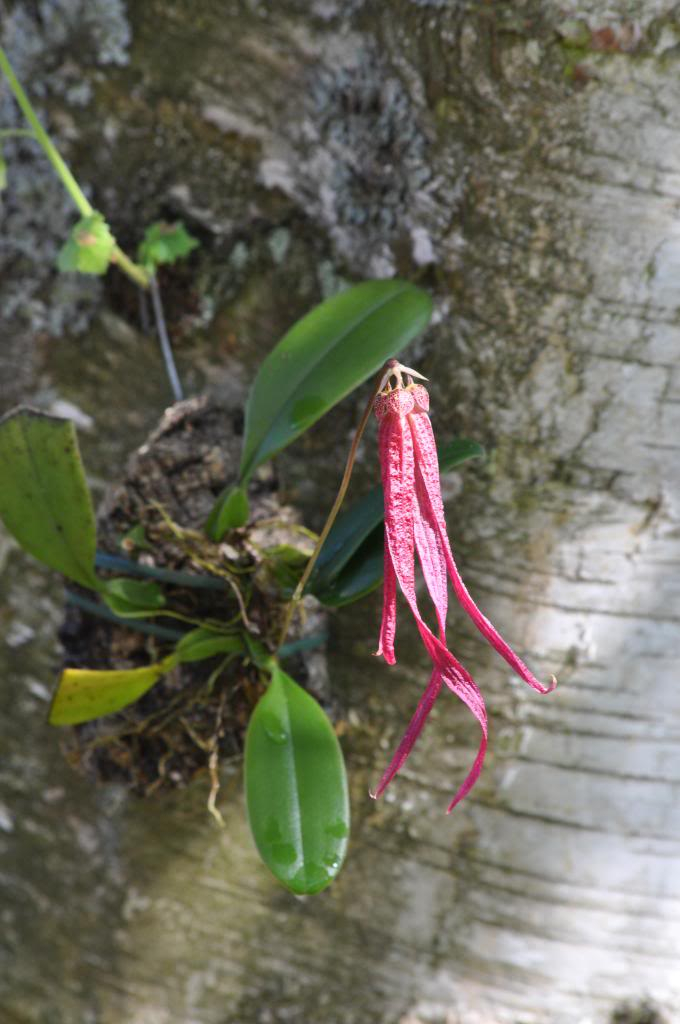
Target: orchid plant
[
  {"x": 296, "y": 788},
  {"x": 295, "y": 781}
]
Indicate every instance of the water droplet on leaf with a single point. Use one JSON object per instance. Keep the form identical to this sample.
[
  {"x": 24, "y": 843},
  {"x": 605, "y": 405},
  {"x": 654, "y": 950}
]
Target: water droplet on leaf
[{"x": 274, "y": 730}]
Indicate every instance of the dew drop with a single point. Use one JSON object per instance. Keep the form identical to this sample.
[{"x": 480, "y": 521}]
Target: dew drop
[{"x": 274, "y": 729}]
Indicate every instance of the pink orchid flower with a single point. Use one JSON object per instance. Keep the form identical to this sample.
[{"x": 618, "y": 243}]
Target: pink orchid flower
[{"x": 414, "y": 521}]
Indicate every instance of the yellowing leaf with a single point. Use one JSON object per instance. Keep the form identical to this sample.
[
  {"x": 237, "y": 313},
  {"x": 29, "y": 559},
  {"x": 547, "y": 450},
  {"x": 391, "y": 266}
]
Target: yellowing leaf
[{"x": 84, "y": 694}]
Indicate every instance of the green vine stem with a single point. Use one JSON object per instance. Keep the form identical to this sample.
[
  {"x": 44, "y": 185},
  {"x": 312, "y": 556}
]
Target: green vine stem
[
  {"x": 16, "y": 133},
  {"x": 133, "y": 271},
  {"x": 332, "y": 515},
  {"x": 139, "y": 275}
]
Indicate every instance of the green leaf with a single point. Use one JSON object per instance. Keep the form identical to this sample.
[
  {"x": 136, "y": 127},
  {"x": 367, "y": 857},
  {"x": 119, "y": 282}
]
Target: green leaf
[
  {"x": 323, "y": 357},
  {"x": 206, "y": 643},
  {"x": 229, "y": 512},
  {"x": 296, "y": 788},
  {"x": 348, "y": 533},
  {"x": 44, "y": 500},
  {"x": 135, "y": 539},
  {"x": 3, "y": 172},
  {"x": 287, "y": 564},
  {"x": 84, "y": 694},
  {"x": 165, "y": 243},
  {"x": 89, "y": 247},
  {"x": 133, "y": 598},
  {"x": 457, "y": 451},
  {"x": 361, "y": 574},
  {"x": 258, "y": 653}
]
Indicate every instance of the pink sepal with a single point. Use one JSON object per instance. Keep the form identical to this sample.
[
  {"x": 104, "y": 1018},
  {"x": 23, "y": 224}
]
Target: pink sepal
[
  {"x": 425, "y": 705},
  {"x": 431, "y": 506}
]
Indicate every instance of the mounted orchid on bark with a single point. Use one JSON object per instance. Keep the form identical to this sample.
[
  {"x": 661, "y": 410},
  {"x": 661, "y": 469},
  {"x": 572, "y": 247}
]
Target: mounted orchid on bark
[
  {"x": 296, "y": 787},
  {"x": 414, "y": 521}
]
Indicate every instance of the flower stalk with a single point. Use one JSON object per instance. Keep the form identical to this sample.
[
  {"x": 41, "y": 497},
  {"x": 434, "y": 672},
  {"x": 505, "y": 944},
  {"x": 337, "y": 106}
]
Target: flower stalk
[{"x": 333, "y": 514}]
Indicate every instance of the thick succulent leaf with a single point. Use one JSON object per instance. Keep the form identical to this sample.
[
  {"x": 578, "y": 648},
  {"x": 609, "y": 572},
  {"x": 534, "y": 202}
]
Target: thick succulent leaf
[
  {"x": 205, "y": 643},
  {"x": 229, "y": 512},
  {"x": 323, "y": 357},
  {"x": 362, "y": 574},
  {"x": 44, "y": 500},
  {"x": 459, "y": 450},
  {"x": 348, "y": 533},
  {"x": 84, "y": 694},
  {"x": 133, "y": 598},
  {"x": 286, "y": 564},
  {"x": 259, "y": 654},
  {"x": 296, "y": 788}
]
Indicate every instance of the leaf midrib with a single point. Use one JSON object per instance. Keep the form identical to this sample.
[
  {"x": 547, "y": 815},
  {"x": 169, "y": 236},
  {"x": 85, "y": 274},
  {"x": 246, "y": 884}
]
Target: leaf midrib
[{"x": 291, "y": 768}]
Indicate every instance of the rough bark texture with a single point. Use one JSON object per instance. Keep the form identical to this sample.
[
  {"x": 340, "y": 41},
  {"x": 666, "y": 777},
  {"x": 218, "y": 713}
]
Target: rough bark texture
[{"x": 521, "y": 160}]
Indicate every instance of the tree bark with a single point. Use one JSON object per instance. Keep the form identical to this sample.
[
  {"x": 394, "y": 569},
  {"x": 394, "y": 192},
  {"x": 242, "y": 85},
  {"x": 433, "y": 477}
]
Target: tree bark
[{"x": 524, "y": 165}]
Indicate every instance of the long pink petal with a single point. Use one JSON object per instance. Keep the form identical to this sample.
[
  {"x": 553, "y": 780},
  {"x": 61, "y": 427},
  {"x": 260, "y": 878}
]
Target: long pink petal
[
  {"x": 451, "y": 671},
  {"x": 396, "y": 462},
  {"x": 426, "y": 456},
  {"x": 426, "y": 530},
  {"x": 408, "y": 521},
  {"x": 460, "y": 682},
  {"x": 388, "y": 626},
  {"x": 430, "y": 550},
  {"x": 425, "y": 705}
]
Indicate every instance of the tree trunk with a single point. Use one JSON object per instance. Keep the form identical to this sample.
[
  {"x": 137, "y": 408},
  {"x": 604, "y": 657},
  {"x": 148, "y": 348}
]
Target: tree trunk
[{"x": 524, "y": 165}]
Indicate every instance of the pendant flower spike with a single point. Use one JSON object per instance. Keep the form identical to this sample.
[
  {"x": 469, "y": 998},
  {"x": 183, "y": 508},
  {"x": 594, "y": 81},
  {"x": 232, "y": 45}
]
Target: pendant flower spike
[{"x": 414, "y": 521}]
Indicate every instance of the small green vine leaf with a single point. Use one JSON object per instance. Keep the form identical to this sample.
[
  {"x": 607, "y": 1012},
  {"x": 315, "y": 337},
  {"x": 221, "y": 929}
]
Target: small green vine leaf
[
  {"x": 89, "y": 247},
  {"x": 165, "y": 243},
  {"x": 135, "y": 539}
]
